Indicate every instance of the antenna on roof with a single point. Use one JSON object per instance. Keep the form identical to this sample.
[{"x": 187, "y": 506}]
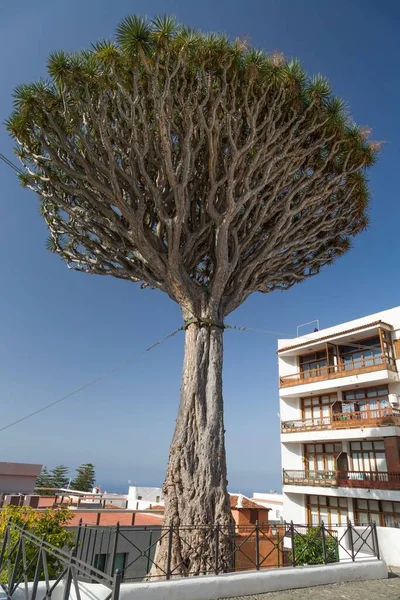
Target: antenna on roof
[{"x": 316, "y": 328}]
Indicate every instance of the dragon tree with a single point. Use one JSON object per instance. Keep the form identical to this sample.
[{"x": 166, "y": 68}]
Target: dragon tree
[{"x": 205, "y": 168}]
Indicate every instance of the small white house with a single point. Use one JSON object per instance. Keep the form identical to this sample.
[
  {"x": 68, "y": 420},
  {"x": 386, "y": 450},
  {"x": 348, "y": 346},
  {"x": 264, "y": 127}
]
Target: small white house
[
  {"x": 273, "y": 501},
  {"x": 140, "y": 498}
]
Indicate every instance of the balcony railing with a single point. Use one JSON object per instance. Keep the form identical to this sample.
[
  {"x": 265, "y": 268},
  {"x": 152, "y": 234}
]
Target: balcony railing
[
  {"x": 361, "y": 365},
  {"x": 359, "y": 479},
  {"x": 370, "y": 479},
  {"x": 317, "y": 478},
  {"x": 382, "y": 417}
]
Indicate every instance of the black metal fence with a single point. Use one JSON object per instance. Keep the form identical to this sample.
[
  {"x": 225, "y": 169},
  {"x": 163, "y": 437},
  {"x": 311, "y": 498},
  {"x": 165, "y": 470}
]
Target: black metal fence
[
  {"x": 132, "y": 550},
  {"x": 35, "y": 567},
  {"x": 111, "y": 555}
]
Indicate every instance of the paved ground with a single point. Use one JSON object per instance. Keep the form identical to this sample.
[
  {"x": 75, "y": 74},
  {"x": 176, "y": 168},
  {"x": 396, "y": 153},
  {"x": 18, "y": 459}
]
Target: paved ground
[{"x": 381, "y": 589}]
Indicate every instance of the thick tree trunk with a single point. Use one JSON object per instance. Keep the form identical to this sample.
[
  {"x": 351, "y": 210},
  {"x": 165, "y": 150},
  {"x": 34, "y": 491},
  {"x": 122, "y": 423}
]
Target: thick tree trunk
[{"x": 195, "y": 487}]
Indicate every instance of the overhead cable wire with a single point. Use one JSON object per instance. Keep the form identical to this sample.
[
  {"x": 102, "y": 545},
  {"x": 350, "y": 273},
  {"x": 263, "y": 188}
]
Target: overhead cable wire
[
  {"x": 93, "y": 381},
  {"x": 8, "y": 162}
]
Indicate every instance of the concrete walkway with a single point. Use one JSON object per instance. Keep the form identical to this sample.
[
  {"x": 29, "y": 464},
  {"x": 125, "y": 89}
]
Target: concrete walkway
[{"x": 381, "y": 589}]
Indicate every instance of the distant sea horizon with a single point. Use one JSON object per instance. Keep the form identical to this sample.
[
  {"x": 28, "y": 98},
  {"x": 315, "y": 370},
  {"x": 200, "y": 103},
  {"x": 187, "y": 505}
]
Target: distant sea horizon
[{"x": 122, "y": 488}]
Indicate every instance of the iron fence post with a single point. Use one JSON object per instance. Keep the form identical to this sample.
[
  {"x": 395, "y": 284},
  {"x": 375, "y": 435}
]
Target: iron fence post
[
  {"x": 257, "y": 546},
  {"x": 114, "y": 549},
  {"x": 17, "y": 559},
  {"x": 68, "y": 580},
  {"x": 375, "y": 538},
  {"x": 116, "y": 584},
  {"x": 4, "y": 544},
  {"x": 148, "y": 551},
  {"x": 216, "y": 548},
  {"x": 323, "y": 540},
  {"x": 169, "y": 555},
  {"x": 292, "y": 541},
  {"x": 78, "y": 536},
  {"x": 278, "y": 547},
  {"x": 351, "y": 541},
  {"x": 37, "y": 570}
]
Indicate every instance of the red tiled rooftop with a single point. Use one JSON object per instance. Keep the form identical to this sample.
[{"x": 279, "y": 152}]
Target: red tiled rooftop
[
  {"x": 245, "y": 503},
  {"x": 144, "y": 519}
]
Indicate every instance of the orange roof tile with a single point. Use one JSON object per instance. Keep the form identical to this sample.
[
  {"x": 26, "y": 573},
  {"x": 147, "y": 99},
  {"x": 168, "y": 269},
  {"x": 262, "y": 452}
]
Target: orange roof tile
[{"x": 245, "y": 503}]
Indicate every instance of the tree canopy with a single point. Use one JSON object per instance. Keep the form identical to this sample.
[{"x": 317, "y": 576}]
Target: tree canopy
[
  {"x": 85, "y": 479},
  {"x": 192, "y": 163}
]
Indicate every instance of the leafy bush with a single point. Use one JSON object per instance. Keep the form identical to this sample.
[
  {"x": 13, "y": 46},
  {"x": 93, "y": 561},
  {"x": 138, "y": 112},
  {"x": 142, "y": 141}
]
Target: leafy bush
[
  {"x": 308, "y": 548},
  {"x": 49, "y": 523}
]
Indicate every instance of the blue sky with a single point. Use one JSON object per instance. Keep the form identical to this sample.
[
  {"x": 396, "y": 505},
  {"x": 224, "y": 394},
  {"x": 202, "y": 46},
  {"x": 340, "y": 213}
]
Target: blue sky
[{"x": 59, "y": 329}]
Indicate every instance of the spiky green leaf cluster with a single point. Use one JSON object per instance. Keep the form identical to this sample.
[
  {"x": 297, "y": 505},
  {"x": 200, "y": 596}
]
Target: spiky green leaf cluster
[{"x": 143, "y": 60}]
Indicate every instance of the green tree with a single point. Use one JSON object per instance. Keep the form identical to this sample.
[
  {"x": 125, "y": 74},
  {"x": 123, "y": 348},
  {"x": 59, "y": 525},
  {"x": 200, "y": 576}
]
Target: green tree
[
  {"x": 49, "y": 523},
  {"x": 308, "y": 548},
  {"x": 85, "y": 479},
  {"x": 60, "y": 476},
  {"x": 204, "y": 168},
  {"x": 44, "y": 480}
]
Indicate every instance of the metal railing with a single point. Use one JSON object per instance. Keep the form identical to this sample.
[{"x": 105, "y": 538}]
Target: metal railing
[
  {"x": 310, "y": 424},
  {"x": 373, "y": 417},
  {"x": 372, "y": 363},
  {"x": 333, "y": 478},
  {"x": 305, "y": 477},
  {"x": 31, "y": 566},
  {"x": 252, "y": 547},
  {"x": 370, "y": 479}
]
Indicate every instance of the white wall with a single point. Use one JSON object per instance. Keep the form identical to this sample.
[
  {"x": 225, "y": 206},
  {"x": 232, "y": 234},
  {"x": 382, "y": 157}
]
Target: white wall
[
  {"x": 290, "y": 409},
  {"x": 389, "y": 545},
  {"x": 294, "y": 508},
  {"x": 149, "y": 496},
  {"x": 215, "y": 587},
  {"x": 254, "y": 582},
  {"x": 292, "y": 456}
]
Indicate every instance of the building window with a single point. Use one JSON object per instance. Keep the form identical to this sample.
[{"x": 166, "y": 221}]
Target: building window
[
  {"x": 120, "y": 561},
  {"x": 383, "y": 512},
  {"x": 332, "y": 511},
  {"x": 356, "y": 358},
  {"x": 368, "y": 456},
  {"x": 369, "y": 400},
  {"x": 317, "y": 409},
  {"x": 313, "y": 365},
  {"x": 139, "y": 497},
  {"x": 100, "y": 561},
  {"x": 158, "y": 499},
  {"x": 321, "y": 457}
]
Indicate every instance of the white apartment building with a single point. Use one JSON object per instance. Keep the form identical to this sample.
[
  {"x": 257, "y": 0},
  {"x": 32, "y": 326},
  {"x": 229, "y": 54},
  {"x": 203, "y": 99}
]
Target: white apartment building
[{"x": 339, "y": 394}]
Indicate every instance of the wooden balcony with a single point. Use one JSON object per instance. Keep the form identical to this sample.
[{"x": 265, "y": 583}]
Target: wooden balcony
[
  {"x": 356, "y": 367},
  {"x": 356, "y": 479},
  {"x": 370, "y": 479},
  {"x": 315, "y": 478},
  {"x": 383, "y": 417}
]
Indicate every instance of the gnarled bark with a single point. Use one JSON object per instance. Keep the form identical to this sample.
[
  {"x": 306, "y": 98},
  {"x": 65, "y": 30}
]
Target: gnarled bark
[{"x": 196, "y": 480}]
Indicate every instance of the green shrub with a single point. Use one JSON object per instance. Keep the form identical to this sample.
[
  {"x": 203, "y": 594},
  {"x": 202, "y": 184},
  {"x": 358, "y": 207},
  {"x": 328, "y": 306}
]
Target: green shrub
[
  {"x": 308, "y": 548},
  {"x": 49, "y": 523}
]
